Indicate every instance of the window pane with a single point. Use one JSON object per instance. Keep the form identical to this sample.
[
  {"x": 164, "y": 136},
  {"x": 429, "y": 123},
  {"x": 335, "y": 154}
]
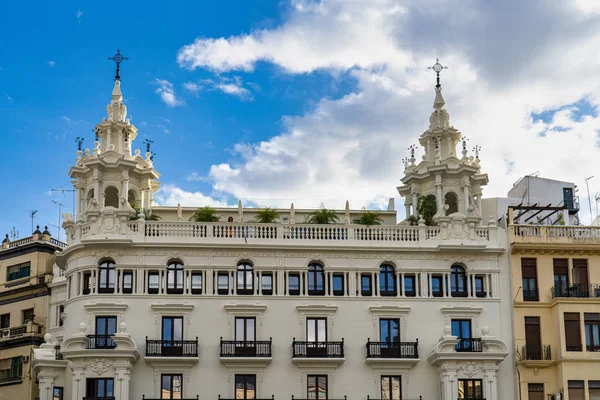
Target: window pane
[
  {"x": 196, "y": 281},
  {"x": 111, "y": 325},
  {"x": 167, "y": 329},
  {"x": 267, "y": 282},
  {"x": 153, "y": 281},
  {"x": 239, "y": 329},
  {"x": 250, "y": 387},
  {"x": 409, "y": 284},
  {"x": 294, "y": 282},
  {"x": 166, "y": 387},
  {"x": 338, "y": 283},
  {"x": 322, "y": 387},
  {"x": 223, "y": 281},
  {"x": 311, "y": 330},
  {"x": 322, "y": 333},
  {"x": 177, "y": 328},
  {"x": 109, "y": 388},
  {"x": 176, "y": 387},
  {"x": 127, "y": 280},
  {"x": 111, "y": 278},
  {"x": 312, "y": 387},
  {"x": 250, "y": 329},
  {"x": 100, "y": 326}
]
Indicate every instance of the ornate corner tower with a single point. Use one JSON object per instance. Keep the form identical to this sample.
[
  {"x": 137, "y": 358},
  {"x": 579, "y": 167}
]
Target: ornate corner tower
[{"x": 454, "y": 181}]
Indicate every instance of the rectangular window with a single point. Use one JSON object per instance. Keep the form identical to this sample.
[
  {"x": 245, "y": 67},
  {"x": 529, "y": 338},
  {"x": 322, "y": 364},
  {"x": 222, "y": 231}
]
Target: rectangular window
[
  {"x": 57, "y": 393},
  {"x": 87, "y": 283},
  {"x": 391, "y": 388},
  {"x": 366, "y": 288},
  {"x": 436, "y": 286},
  {"x": 61, "y": 310},
  {"x": 461, "y": 328},
  {"x": 294, "y": 284},
  {"x": 28, "y": 315},
  {"x": 580, "y": 286},
  {"x": 479, "y": 286},
  {"x": 389, "y": 330},
  {"x": 533, "y": 344},
  {"x": 592, "y": 331},
  {"x": 410, "y": 285},
  {"x": 18, "y": 271},
  {"x": 245, "y": 387},
  {"x": 171, "y": 386},
  {"x": 316, "y": 329},
  {"x": 594, "y": 390},
  {"x": 5, "y": 321},
  {"x": 102, "y": 387},
  {"x": 153, "y": 282},
  {"x": 576, "y": 390},
  {"x": 470, "y": 389},
  {"x": 316, "y": 387},
  {"x": 572, "y": 332},
  {"x": 106, "y": 327},
  {"x": 561, "y": 277},
  {"x": 223, "y": 283},
  {"x": 172, "y": 337},
  {"x": 11, "y": 370},
  {"x": 529, "y": 279},
  {"x": 245, "y": 329},
  {"x": 535, "y": 391},
  {"x": 127, "y": 282},
  {"x": 338, "y": 284},
  {"x": 197, "y": 283},
  {"x": 266, "y": 284}
]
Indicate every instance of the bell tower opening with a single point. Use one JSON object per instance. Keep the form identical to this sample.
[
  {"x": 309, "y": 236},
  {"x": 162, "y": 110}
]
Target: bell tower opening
[{"x": 111, "y": 197}]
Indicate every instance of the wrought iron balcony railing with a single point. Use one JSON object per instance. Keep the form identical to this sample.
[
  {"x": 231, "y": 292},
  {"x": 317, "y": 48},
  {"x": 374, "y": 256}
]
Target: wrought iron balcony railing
[
  {"x": 403, "y": 398},
  {"x": 541, "y": 352},
  {"x": 253, "y": 398},
  {"x": 576, "y": 290},
  {"x": 171, "y": 348},
  {"x": 183, "y": 398},
  {"x": 232, "y": 348},
  {"x": 318, "y": 349},
  {"x": 328, "y": 398},
  {"x": 392, "y": 349},
  {"x": 98, "y": 342},
  {"x": 99, "y": 398},
  {"x": 531, "y": 295},
  {"x": 469, "y": 345}
]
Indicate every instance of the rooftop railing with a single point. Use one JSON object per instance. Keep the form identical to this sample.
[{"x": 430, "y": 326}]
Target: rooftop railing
[{"x": 554, "y": 234}]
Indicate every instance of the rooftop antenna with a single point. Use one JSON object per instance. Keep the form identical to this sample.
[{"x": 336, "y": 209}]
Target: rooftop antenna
[
  {"x": 597, "y": 198},
  {"x": 61, "y": 189},
  {"x": 14, "y": 234},
  {"x": 32, "y": 216},
  {"x": 589, "y": 198},
  {"x": 60, "y": 206}
]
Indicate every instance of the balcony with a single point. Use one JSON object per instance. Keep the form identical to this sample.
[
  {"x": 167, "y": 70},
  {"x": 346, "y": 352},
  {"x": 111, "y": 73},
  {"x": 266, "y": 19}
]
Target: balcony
[
  {"x": 554, "y": 234},
  {"x": 328, "y": 398},
  {"x": 184, "y": 398},
  {"x": 231, "y": 348},
  {"x": 27, "y": 332},
  {"x": 253, "y": 398},
  {"x": 408, "y": 350},
  {"x": 469, "y": 345},
  {"x": 535, "y": 356},
  {"x": 171, "y": 348},
  {"x": 99, "y": 398},
  {"x": 403, "y": 398},
  {"x": 531, "y": 295},
  {"x": 592, "y": 348},
  {"x": 100, "y": 342},
  {"x": 318, "y": 353},
  {"x": 576, "y": 291}
]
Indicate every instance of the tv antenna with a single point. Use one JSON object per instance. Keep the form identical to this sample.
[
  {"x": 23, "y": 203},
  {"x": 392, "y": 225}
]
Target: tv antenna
[
  {"x": 60, "y": 207},
  {"x": 63, "y": 191},
  {"x": 32, "y": 216},
  {"x": 589, "y": 198},
  {"x": 14, "y": 234}
]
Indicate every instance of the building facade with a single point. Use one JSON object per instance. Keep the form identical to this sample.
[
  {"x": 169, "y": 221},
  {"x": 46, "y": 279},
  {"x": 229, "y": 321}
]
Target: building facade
[
  {"x": 25, "y": 275},
  {"x": 172, "y": 309},
  {"x": 557, "y": 310}
]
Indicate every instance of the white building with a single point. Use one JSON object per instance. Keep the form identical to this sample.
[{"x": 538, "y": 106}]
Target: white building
[{"x": 176, "y": 309}]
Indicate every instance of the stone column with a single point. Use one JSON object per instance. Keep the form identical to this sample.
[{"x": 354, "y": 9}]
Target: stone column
[
  {"x": 122, "y": 380},
  {"x": 469, "y": 281},
  {"x": 430, "y": 285},
  {"x": 415, "y": 201},
  {"x": 400, "y": 284},
  {"x": 78, "y": 382},
  {"x": 125, "y": 189},
  {"x": 489, "y": 284},
  {"x": 97, "y": 196},
  {"x": 407, "y": 208},
  {"x": 445, "y": 288},
  {"x": 479, "y": 206},
  {"x": 465, "y": 198},
  {"x": 46, "y": 383}
]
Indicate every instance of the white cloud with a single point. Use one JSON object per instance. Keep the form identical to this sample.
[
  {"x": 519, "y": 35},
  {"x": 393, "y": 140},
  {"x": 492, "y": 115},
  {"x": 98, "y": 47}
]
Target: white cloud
[
  {"x": 503, "y": 67},
  {"x": 79, "y": 14},
  {"x": 167, "y": 93},
  {"x": 170, "y": 195},
  {"x": 192, "y": 87},
  {"x": 51, "y": 63},
  {"x": 231, "y": 86},
  {"x": 143, "y": 123}
]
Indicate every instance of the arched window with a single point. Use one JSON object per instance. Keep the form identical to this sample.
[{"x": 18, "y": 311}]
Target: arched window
[
  {"x": 452, "y": 201},
  {"x": 245, "y": 278},
  {"x": 458, "y": 287},
  {"x": 106, "y": 277},
  {"x": 175, "y": 278},
  {"x": 131, "y": 197},
  {"x": 111, "y": 197},
  {"x": 387, "y": 280},
  {"x": 316, "y": 280}
]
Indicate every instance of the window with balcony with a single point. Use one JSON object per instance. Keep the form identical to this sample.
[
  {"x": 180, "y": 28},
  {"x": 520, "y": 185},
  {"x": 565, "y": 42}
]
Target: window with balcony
[
  {"x": 294, "y": 284},
  {"x": 153, "y": 282},
  {"x": 576, "y": 390},
  {"x": 106, "y": 277},
  {"x": 316, "y": 329},
  {"x": 197, "y": 283},
  {"x": 572, "y": 332},
  {"x": 387, "y": 280},
  {"x": 11, "y": 370},
  {"x": 366, "y": 287},
  {"x": 127, "y": 285},
  {"x": 57, "y": 393},
  {"x": 4, "y": 321},
  {"x": 458, "y": 286},
  {"x": 100, "y": 388},
  {"x": 266, "y": 283},
  {"x": 391, "y": 388},
  {"x": 171, "y": 386},
  {"x": 338, "y": 284},
  {"x": 28, "y": 316},
  {"x": 245, "y": 387},
  {"x": 316, "y": 280},
  {"x": 245, "y": 279},
  {"x": 437, "y": 286},
  {"x": 410, "y": 287},
  {"x": 470, "y": 389},
  {"x": 535, "y": 391},
  {"x": 389, "y": 330},
  {"x": 592, "y": 331},
  {"x": 106, "y": 327},
  {"x": 461, "y": 328},
  {"x": 223, "y": 283},
  {"x": 15, "y": 272},
  {"x": 316, "y": 387},
  {"x": 245, "y": 329},
  {"x": 561, "y": 277},
  {"x": 529, "y": 279},
  {"x": 175, "y": 278},
  {"x": 533, "y": 343},
  {"x": 580, "y": 287},
  {"x": 87, "y": 283}
]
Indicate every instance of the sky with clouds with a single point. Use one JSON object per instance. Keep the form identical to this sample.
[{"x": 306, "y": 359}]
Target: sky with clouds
[{"x": 297, "y": 100}]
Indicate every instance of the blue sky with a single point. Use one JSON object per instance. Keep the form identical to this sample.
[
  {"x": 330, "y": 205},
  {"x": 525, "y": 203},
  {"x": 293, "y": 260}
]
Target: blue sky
[{"x": 296, "y": 100}]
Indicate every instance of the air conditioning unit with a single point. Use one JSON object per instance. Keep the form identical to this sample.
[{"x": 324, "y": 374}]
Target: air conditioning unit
[
  {"x": 557, "y": 396},
  {"x": 24, "y": 359}
]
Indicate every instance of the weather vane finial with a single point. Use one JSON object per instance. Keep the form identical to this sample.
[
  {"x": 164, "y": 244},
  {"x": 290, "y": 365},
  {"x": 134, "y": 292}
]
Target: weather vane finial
[
  {"x": 118, "y": 59},
  {"x": 437, "y": 67}
]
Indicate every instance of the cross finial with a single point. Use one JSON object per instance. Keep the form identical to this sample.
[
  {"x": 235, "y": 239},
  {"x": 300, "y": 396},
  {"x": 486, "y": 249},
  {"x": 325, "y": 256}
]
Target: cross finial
[
  {"x": 437, "y": 67},
  {"x": 118, "y": 59},
  {"x": 79, "y": 141},
  {"x": 148, "y": 142},
  {"x": 476, "y": 150}
]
